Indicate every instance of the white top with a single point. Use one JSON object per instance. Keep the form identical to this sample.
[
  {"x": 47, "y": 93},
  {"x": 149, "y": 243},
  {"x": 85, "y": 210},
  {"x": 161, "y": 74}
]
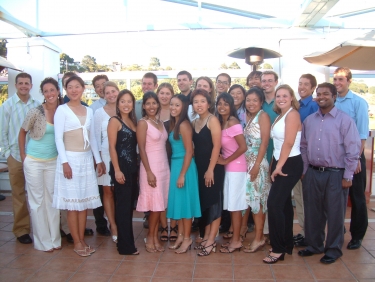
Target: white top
[
  {"x": 278, "y": 135},
  {"x": 101, "y": 119},
  {"x": 191, "y": 114},
  {"x": 98, "y": 104},
  {"x": 66, "y": 120}
]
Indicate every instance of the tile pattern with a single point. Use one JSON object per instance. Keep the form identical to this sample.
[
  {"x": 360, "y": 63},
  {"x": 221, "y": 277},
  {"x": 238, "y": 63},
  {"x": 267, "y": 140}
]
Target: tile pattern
[{"x": 23, "y": 263}]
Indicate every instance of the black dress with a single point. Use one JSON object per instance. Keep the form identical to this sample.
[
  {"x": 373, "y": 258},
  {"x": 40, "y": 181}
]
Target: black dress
[
  {"x": 211, "y": 198},
  {"x": 126, "y": 193}
]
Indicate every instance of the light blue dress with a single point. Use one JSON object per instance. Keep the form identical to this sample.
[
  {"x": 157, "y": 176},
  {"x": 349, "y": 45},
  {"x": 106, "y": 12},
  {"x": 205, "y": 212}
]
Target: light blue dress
[{"x": 182, "y": 202}]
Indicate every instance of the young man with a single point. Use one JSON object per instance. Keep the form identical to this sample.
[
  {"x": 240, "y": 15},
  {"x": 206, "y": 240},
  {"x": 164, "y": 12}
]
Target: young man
[
  {"x": 184, "y": 83},
  {"x": 254, "y": 79},
  {"x": 357, "y": 108},
  {"x": 149, "y": 83},
  {"x": 223, "y": 82},
  {"x": 306, "y": 87},
  {"x": 12, "y": 115},
  {"x": 98, "y": 82},
  {"x": 330, "y": 146}
]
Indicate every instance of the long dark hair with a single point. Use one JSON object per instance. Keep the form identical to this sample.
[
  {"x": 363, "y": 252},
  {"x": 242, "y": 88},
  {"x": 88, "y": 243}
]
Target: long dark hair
[
  {"x": 175, "y": 126},
  {"x": 227, "y": 98},
  {"x": 235, "y": 86},
  {"x": 132, "y": 113},
  {"x": 149, "y": 95},
  {"x": 53, "y": 81}
]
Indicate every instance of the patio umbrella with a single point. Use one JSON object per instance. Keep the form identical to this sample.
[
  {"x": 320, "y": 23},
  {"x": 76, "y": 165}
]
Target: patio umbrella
[
  {"x": 358, "y": 54},
  {"x": 6, "y": 64}
]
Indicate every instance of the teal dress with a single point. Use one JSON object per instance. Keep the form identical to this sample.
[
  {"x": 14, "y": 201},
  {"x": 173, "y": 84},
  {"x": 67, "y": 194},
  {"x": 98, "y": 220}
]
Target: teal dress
[{"x": 182, "y": 202}]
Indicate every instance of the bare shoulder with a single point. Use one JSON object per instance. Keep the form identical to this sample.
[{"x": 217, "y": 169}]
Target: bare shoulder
[
  {"x": 264, "y": 116},
  {"x": 185, "y": 125},
  {"x": 233, "y": 121}
]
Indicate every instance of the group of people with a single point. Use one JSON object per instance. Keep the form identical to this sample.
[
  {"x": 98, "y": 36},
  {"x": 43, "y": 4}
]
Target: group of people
[{"x": 190, "y": 156}]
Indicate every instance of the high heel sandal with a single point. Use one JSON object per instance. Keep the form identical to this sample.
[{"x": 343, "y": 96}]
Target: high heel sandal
[
  {"x": 164, "y": 238},
  {"x": 273, "y": 259},
  {"x": 289, "y": 251},
  {"x": 175, "y": 230},
  {"x": 150, "y": 248},
  {"x": 204, "y": 251},
  {"x": 243, "y": 233},
  {"x": 176, "y": 246},
  {"x": 200, "y": 246},
  {"x": 82, "y": 253},
  {"x": 229, "y": 250},
  {"x": 187, "y": 248},
  {"x": 228, "y": 235},
  {"x": 253, "y": 249},
  {"x": 90, "y": 250}
]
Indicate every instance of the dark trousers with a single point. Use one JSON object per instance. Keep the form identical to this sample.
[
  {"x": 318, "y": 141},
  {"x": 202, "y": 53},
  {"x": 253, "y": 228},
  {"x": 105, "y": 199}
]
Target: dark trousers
[
  {"x": 325, "y": 204},
  {"x": 359, "y": 218},
  {"x": 100, "y": 221},
  {"x": 125, "y": 196},
  {"x": 279, "y": 204}
]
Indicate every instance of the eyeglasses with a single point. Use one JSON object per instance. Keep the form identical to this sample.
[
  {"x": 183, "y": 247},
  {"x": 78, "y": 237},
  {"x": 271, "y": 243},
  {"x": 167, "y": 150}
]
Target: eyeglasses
[
  {"x": 269, "y": 81},
  {"x": 222, "y": 82}
]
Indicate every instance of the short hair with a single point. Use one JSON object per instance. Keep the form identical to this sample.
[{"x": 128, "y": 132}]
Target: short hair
[
  {"x": 271, "y": 72},
  {"x": 97, "y": 77},
  {"x": 175, "y": 126},
  {"x": 149, "y": 95},
  {"x": 205, "y": 94},
  {"x": 328, "y": 85},
  {"x": 54, "y": 83},
  {"x": 77, "y": 78},
  {"x": 310, "y": 77},
  {"x": 24, "y": 75},
  {"x": 295, "y": 103},
  {"x": 165, "y": 85},
  {"x": 257, "y": 91},
  {"x": 348, "y": 73},
  {"x": 227, "y": 98},
  {"x": 111, "y": 84},
  {"x": 185, "y": 73},
  {"x": 253, "y": 74},
  {"x": 151, "y": 75},
  {"x": 132, "y": 112},
  {"x": 212, "y": 93},
  {"x": 226, "y": 75}
]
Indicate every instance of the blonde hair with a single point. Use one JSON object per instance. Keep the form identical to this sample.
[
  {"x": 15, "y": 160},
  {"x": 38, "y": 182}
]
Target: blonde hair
[
  {"x": 295, "y": 103},
  {"x": 110, "y": 83}
]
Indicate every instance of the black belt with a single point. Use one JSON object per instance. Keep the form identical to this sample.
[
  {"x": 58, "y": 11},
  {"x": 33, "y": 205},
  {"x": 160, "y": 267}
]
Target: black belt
[{"x": 322, "y": 168}]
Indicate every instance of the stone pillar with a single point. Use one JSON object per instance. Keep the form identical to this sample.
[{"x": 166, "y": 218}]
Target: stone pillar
[{"x": 36, "y": 56}]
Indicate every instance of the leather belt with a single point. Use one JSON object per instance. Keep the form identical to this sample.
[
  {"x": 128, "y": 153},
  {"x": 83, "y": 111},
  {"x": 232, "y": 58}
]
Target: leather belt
[{"x": 322, "y": 168}]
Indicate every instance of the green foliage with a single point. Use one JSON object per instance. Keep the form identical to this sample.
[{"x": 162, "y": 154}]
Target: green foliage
[
  {"x": 3, "y": 48},
  {"x": 234, "y": 66},
  {"x": 137, "y": 91},
  {"x": 371, "y": 90},
  {"x": 223, "y": 66},
  {"x": 89, "y": 63},
  {"x": 3, "y": 93},
  {"x": 267, "y": 66},
  {"x": 359, "y": 87},
  {"x": 65, "y": 60},
  {"x": 240, "y": 81},
  {"x": 154, "y": 63},
  {"x": 173, "y": 82}
]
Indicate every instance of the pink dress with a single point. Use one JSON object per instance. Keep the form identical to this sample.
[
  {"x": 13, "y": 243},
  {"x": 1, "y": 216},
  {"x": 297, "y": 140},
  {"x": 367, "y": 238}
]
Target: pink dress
[{"x": 154, "y": 199}]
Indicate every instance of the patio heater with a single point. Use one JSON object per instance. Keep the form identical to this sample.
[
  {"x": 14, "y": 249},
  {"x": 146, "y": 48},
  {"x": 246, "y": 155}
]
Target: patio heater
[{"x": 254, "y": 56}]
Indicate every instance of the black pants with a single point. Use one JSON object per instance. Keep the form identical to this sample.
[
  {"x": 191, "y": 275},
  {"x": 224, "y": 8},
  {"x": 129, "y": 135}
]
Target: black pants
[
  {"x": 100, "y": 221},
  {"x": 125, "y": 196},
  {"x": 359, "y": 218},
  {"x": 279, "y": 204},
  {"x": 325, "y": 204}
]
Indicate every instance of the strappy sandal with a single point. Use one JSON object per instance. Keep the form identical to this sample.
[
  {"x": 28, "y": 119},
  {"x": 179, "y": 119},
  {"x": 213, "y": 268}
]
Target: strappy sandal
[
  {"x": 204, "y": 251},
  {"x": 174, "y": 229},
  {"x": 150, "y": 248},
  {"x": 200, "y": 246},
  {"x": 159, "y": 248},
  {"x": 176, "y": 246},
  {"x": 164, "y": 238},
  {"x": 229, "y": 250},
  {"x": 253, "y": 249},
  {"x": 90, "y": 250},
  {"x": 82, "y": 253},
  {"x": 273, "y": 259},
  {"x": 228, "y": 235}
]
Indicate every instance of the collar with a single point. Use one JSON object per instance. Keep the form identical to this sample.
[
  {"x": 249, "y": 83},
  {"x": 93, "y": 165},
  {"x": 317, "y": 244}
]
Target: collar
[
  {"x": 273, "y": 100},
  {"x": 332, "y": 112},
  {"x": 17, "y": 99},
  {"x": 306, "y": 100},
  {"x": 348, "y": 95}
]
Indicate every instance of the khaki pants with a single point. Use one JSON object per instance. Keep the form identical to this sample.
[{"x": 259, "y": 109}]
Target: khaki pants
[
  {"x": 21, "y": 225},
  {"x": 298, "y": 198}
]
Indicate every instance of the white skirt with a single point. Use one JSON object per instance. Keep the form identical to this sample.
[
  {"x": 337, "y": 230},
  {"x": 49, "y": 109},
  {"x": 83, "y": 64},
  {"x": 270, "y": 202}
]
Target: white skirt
[
  {"x": 235, "y": 191},
  {"x": 81, "y": 192},
  {"x": 105, "y": 179}
]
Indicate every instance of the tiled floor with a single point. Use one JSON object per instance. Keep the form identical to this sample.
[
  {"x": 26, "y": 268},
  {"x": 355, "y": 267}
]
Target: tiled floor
[{"x": 23, "y": 263}]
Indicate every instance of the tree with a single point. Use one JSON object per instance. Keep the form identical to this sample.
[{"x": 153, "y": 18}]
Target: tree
[
  {"x": 154, "y": 63},
  {"x": 371, "y": 90},
  {"x": 89, "y": 63},
  {"x": 3, "y": 93},
  {"x": 3, "y": 48},
  {"x": 358, "y": 87},
  {"x": 234, "y": 66},
  {"x": 223, "y": 66},
  {"x": 240, "y": 81},
  {"x": 267, "y": 66},
  {"x": 67, "y": 63},
  {"x": 137, "y": 92}
]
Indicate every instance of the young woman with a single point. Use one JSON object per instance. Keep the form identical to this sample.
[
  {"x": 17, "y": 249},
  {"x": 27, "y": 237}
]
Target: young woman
[
  {"x": 207, "y": 84},
  {"x": 165, "y": 93},
  {"x": 207, "y": 143},
  {"x": 257, "y": 134},
  {"x": 154, "y": 170},
  {"x": 101, "y": 118},
  {"x": 123, "y": 168},
  {"x": 287, "y": 167},
  {"x": 39, "y": 165},
  {"x": 238, "y": 94},
  {"x": 76, "y": 188},
  {"x": 183, "y": 198},
  {"x": 233, "y": 147}
]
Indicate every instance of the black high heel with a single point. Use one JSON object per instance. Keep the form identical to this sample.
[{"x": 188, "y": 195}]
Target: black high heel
[
  {"x": 204, "y": 251},
  {"x": 174, "y": 229},
  {"x": 200, "y": 246},
  {"x": 164, "y": 238},
  {"x": 273, "y": 259}
]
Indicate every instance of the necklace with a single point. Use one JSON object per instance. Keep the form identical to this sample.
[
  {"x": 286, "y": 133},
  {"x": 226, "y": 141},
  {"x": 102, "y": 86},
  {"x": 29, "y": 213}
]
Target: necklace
[
  {"x": 154, "y": 120},
  {"x": 203, "y": 123}
]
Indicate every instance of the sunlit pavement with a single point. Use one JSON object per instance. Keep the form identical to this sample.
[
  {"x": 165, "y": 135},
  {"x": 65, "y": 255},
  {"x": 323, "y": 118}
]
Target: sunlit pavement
[{"x": 20, "y": 262}]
